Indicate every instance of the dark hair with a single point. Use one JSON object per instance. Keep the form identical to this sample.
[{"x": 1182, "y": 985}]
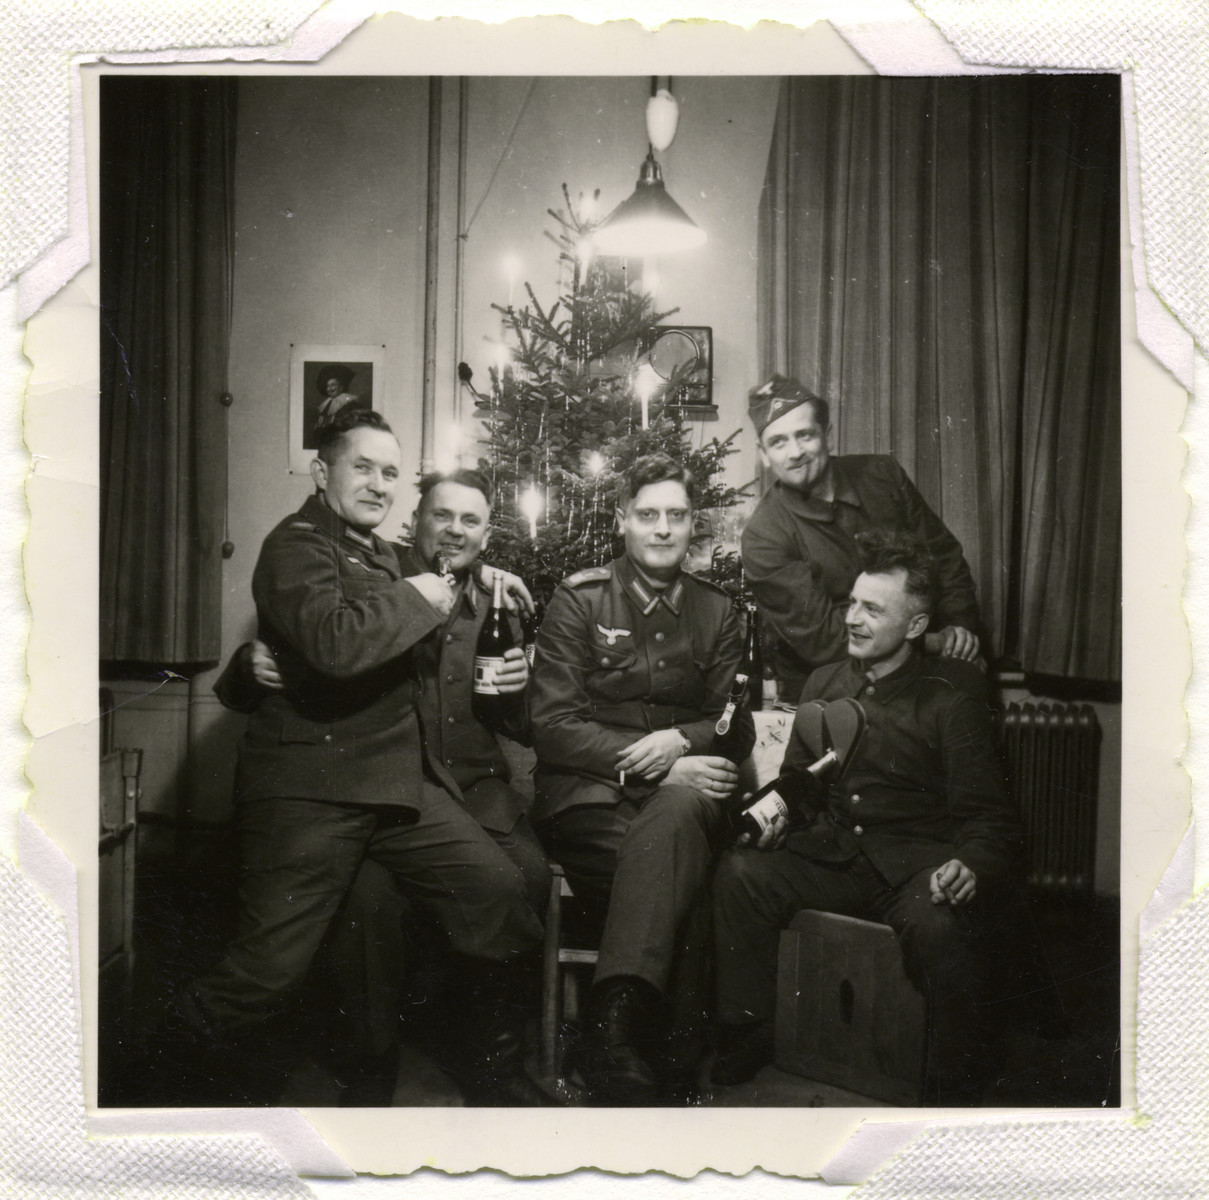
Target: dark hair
[
  {"x": 463, "y": 476},
  {"x": 330, "y": 434},
  {"x": 886, "y": 550},
  {"x": 655, "y": 468}
]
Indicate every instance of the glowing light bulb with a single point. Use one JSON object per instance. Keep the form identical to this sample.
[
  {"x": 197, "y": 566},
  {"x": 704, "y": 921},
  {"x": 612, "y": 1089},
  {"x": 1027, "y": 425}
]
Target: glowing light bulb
[{"x": 595, "y": 462}]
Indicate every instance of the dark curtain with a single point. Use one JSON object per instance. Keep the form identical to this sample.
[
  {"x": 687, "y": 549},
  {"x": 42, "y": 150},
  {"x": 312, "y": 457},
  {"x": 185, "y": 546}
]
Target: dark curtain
[
  {"x": 939, "y": 257},
  {"x": 167, "y": 158}
]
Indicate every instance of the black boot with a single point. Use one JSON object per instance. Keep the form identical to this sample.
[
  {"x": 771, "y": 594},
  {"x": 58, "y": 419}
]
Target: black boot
[
  {"x": 743, "y": 1050},
  {"x": 497, "y": 1003},
  {"x": 620, "y": 1012}
]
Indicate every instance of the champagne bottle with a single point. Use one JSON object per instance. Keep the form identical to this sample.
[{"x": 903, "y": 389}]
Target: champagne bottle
[
  {"x": 765, "y": 804},
  {"x": 495, "y": 637}
]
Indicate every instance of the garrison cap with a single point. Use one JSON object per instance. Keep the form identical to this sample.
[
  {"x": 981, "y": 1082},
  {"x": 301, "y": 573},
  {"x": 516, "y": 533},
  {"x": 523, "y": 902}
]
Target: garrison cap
[{"x": 775, "y": 398}]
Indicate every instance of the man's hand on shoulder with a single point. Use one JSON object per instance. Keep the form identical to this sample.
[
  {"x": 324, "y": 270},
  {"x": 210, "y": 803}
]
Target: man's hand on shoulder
[
  {"x": 436, "y": 589},
  {"x": 953, "y": 642},
  {"x": 711, "y": 775},
  {"x": 514, "y": 674},
  {"x": 515, "y": 593},
  {"x": 264, "y": 667},
  {"x": 953, "y": 884}
]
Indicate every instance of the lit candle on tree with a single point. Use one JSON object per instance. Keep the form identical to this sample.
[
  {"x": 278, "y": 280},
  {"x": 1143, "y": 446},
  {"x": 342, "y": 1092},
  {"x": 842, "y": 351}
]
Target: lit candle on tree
[
  {"x": 531, "y": 506},
  {"x": 512, "y": 270},
  {"x": 645, "y": 383}
]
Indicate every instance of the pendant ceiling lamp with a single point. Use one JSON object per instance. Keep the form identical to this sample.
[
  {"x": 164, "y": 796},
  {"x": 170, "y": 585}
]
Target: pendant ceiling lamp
[{"x": 650, "y": 221}]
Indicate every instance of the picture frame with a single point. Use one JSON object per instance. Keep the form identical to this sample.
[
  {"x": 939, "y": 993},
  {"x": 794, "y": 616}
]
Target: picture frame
[{"x": 328, "y": 378}]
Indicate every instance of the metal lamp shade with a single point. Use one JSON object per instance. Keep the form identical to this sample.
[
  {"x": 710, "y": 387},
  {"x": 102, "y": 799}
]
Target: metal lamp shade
[{"x": 649, "y": 222}]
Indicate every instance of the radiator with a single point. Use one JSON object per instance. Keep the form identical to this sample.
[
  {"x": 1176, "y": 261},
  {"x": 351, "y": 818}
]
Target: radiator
[{"x": 1052, "y": 762}]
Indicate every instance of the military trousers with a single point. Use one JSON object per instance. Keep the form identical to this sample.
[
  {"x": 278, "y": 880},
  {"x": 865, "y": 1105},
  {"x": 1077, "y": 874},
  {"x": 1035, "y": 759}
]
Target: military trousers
[
  {"x": 297, "y": 861},
  {"x": 374, "y": 945},
  {"x": 648, "y": 860}
]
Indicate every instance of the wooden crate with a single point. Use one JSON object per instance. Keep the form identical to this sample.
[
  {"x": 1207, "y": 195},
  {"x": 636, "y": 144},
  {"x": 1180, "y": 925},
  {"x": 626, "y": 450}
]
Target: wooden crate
[{"x": 846, "y": 1012}]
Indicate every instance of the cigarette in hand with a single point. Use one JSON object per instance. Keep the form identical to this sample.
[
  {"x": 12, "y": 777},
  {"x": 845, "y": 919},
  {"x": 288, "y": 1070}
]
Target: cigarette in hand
[{"x": 622, "y": 777}]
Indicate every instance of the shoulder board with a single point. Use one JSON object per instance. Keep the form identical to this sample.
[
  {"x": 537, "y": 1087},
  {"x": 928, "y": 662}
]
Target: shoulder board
[
  {"x": 589, "y": 575},
  {"x": 303, "y": 525},
  {"x": 708, "y": 583}
]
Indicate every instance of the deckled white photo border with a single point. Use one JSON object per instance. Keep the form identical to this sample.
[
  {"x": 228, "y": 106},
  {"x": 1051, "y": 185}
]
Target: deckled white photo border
[{"x": 42, "y": 1116}]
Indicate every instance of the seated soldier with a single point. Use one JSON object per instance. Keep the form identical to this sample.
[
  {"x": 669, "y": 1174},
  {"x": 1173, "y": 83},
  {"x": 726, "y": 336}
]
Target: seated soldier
[
  {"x": 634, "y": 663},
  {"x": 919, "y": 833},
  {"x": 364, "y": 958}
]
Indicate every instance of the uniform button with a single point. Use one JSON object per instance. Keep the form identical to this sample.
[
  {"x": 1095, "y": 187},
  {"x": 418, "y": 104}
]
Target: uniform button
[
  {"x": 857, "y": 830},
  {"x": 450, "y": 679},
  {"x": 449, "y": 638},
  {"x": 450, "y": 720},
  {"x": 449, "y": 762},
  {"x": 604, "y": 662},
  {"x": 869, "y": 690},
  {"x": 661, "y": 664},
  {"x": 327, "y": 737},
  {"x": 855, "y": 798},
  {"x": 659, "y": 637}
]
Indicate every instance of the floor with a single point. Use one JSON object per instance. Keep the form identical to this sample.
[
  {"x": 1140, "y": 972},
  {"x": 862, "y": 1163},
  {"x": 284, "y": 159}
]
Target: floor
[{"x": 1063, "y": 1054}]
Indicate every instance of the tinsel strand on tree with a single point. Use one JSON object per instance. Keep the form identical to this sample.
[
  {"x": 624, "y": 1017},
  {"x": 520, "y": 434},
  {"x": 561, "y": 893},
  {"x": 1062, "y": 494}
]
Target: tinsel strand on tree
[{"x": 563, "y": 420}]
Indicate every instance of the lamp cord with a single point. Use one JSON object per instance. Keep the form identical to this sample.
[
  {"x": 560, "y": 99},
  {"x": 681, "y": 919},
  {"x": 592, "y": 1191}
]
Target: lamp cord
[{"x": 507, "y": 148}]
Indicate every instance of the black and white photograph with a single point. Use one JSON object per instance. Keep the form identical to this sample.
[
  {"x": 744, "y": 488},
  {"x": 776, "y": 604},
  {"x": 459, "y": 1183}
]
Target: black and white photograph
[{"x": 436, "y": 771}]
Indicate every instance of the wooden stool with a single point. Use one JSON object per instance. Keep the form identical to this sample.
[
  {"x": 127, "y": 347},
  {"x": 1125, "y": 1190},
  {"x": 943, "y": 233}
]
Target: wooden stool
[
  {"x": 846, "y": 1012},
  {"x": 560, "y": 987}
]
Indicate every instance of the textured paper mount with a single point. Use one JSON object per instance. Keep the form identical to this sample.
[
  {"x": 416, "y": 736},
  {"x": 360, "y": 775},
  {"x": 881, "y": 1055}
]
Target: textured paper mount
[{"x": 43, "y": 1123}]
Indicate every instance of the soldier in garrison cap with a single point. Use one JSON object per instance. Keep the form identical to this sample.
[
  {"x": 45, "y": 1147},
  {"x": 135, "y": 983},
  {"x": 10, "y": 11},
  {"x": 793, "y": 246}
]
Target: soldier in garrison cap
[
  {"x": 634, "y": 662},
  {"x": 799, "y": 548},
  {"x": 334, "y": 769}
]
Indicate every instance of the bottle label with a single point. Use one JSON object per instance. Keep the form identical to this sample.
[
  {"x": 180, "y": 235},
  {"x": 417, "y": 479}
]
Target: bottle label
[
  {"x": 484, "y": 675},
  {"x": 766, "y": 810}
]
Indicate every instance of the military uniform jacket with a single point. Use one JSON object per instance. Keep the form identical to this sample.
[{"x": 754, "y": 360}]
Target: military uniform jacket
[
  {"x": 925, "y": 785},
  {"x": 801, "y": 560},
  {"x": 334, "y": 608},
  {"x": 452, "y": 735},
  {"x": 617, "y": 659}
]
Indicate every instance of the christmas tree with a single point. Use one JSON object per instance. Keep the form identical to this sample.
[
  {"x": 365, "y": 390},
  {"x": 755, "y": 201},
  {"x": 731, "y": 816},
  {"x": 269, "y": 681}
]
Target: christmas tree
[{"x": 574, "y": 404}]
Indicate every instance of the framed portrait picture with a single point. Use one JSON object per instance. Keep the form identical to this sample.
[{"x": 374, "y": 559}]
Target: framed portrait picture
[{"x": 326, "y": 380}]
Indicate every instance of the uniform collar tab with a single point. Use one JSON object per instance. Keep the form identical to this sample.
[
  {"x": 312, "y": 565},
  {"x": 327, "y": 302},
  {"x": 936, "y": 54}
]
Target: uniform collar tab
[{"x": 646, "y": 595}]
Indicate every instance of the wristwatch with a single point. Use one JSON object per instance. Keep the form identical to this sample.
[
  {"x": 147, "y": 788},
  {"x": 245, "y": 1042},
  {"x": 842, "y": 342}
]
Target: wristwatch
[{"x": 686, "y": 746}]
